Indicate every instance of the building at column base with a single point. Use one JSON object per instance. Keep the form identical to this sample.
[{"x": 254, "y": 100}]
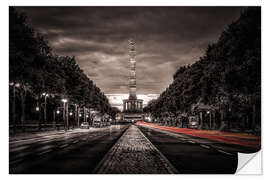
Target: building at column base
[{"x": 132, "y": 110}]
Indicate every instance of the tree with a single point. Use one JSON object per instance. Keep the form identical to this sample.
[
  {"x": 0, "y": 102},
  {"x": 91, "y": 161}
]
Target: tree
[
  {"x": 229, "y": 68},
  {"x": 34, "y": 66}
]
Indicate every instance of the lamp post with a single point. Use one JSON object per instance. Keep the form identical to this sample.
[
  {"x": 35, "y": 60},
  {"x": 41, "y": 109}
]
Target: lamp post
[
  {"x": 84, "y": 114},
  {"x": 45, "y": 108},
  {"x": 37, "y": 108},
  {"x": 71, "y": 114},
  {"x": 57, "y": 116},
  {"x": 71, "y": 118},
  {"x": 14, "y": 85},
  {"x": 210, "y": 119},
  {"x": 64, "y": 110},
  {"x": 76, "y": 115},
  {"x": 75, "y": 119},
  {"x": 67, "y": 117},
  {"x": 86, "y": 118},
  {"x": 79, "y": 118}
]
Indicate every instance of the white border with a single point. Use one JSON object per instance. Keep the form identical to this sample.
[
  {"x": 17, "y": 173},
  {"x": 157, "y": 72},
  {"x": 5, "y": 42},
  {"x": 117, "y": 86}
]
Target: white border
[
  {"x": 4, "y": 75},
  {"x": 137, "y": 2}
]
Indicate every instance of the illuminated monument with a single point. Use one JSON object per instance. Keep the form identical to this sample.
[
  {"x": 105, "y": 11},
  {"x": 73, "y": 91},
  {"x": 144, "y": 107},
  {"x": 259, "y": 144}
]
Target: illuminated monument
[{"x": 132, "y": 107}]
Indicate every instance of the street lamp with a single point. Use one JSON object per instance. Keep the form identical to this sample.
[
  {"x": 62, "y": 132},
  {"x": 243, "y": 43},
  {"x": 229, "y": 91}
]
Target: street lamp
[
  {"x": 13, "y": 104},
  {"x": 45, "y": 107},
  {"x": 37, "y": 108},
  {"x": 77, "y": 119},
  {"x": 58, "y": 111},
  {"x": 86, "y": 116},
  {"x": 64, "y": 110}
]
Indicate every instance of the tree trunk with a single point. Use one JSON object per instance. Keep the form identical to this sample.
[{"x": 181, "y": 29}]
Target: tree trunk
[
  {"x": 201, "y": 121},
  {"x": 214, "y": 120},
  {"x": 210, "y": 121},
  {"x": 253, "y": 117},
  {"x": 67, "y": 117},
  {"x": 14, "y": 110},
  {"x": 23, "y": 109},
  {"x": 39, "y": 117},
  {"x": 84, "y": 114},
  {"x": 78, "y": 117},
  {"x": 64, "y": 116},
  {"x": 45, "y": 113},
  {"x": 54, "y": 123},
  {"x": 222, "y": 122}
]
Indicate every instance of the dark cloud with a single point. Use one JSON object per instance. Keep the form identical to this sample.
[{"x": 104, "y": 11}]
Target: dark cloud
[{"x": 166, "y": 37}]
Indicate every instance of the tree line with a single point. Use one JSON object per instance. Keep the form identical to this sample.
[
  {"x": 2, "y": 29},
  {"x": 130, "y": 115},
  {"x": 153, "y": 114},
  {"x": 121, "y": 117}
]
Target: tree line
[
  {"x": 35, "y": 72},
  {"x": 227, "y": 78}
]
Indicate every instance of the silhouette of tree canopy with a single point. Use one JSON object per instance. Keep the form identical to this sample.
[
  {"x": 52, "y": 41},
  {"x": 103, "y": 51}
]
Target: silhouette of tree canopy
[
  {"x": 230, "y": 68},
  {"x": 33, "y": 64}
]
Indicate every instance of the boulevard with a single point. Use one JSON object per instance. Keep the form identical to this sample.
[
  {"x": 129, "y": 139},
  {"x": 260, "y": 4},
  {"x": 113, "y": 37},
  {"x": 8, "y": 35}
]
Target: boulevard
[{"x": 83, "y": 151}]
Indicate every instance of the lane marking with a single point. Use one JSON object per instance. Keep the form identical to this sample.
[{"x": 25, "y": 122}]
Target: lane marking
[
  {"x": 224, "y": 152},
  {"x": 74, "y": 142},
  {"x": 63, "y": 146},
  {"x": 18, "y": 148},
  {"x": 15, "y": 161},
  {"x": 36, "y": 138},
  {"x": 192, "y": 142},
  {"x": 52, "y": 137},
  {"x": 204, "y": 146},
  {"x": 24, "y": 140},
  {"x": 44, "y": 152},
  {"x": 45, "y": 147},
  {"x": 19, "y": 159}
]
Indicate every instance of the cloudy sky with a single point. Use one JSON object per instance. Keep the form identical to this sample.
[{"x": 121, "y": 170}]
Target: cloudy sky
[{"x": 166, "y": 38}]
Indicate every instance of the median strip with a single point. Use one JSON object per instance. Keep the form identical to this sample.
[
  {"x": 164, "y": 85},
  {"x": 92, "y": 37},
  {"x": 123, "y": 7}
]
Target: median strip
[{"x": 133, "y": 153}]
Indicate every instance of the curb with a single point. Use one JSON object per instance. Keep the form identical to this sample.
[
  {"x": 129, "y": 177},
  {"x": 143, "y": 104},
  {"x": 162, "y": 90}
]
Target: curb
[
  {"x": 101, "y": 165},
  {"x": 165, "y": 161}
]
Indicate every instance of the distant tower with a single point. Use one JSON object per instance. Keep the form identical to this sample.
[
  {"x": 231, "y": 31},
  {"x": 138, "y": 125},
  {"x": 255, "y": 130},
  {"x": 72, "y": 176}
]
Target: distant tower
[
  {"x": 132, "y": 107},
  {"x": 132, "y": 73}
]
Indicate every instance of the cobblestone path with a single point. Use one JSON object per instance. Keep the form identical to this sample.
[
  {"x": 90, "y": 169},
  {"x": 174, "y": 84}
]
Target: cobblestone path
[{"x": 133, "y": 153}]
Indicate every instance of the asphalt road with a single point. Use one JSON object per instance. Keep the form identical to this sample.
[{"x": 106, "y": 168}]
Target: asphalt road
[
  {"x": 80, "y": 151},
  {"x": 70, "y": 153},
  {"x": 191, "y": 155}
]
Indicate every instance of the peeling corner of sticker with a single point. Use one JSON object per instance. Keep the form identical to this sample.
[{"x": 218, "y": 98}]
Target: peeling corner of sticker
[{"x": 249, "y": 164}]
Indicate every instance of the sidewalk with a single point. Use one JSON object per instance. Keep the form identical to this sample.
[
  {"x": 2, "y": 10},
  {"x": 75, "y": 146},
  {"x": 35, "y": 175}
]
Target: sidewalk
[
  {"x": 242, "y": 139},
  {"x": 133, "y": 153}
]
